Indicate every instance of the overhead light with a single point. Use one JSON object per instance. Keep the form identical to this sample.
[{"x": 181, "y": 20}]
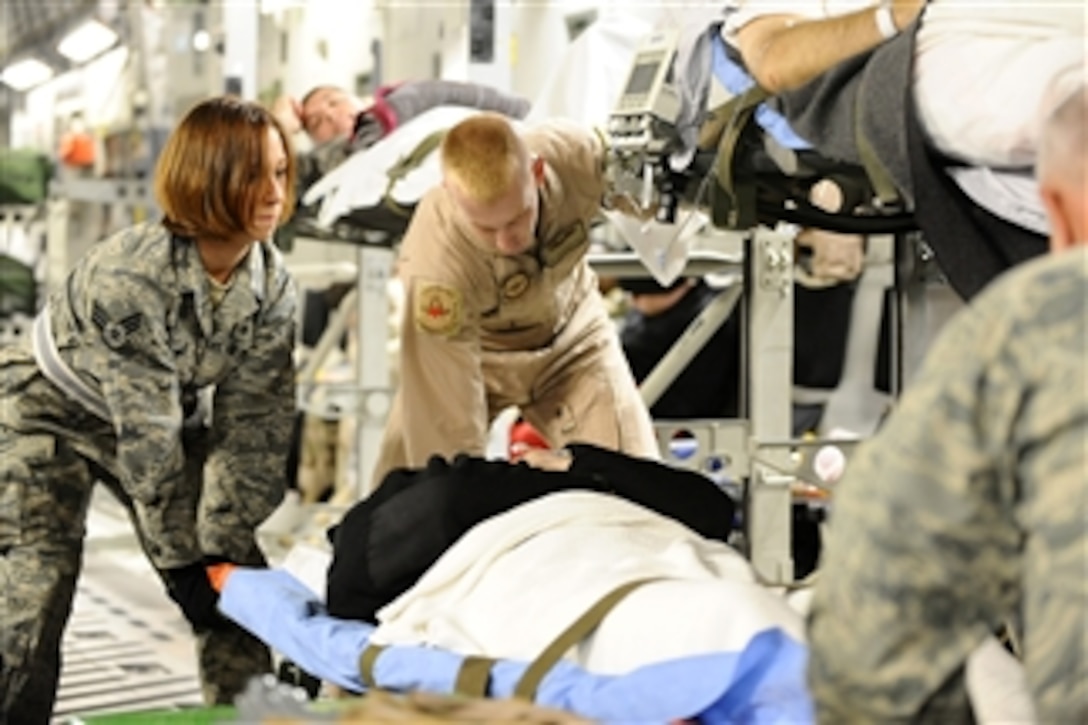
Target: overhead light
[
  {"x": 202, "y": 40},
  {"x": 26, "y": 73},
  {"x": 85, "y": 42}
]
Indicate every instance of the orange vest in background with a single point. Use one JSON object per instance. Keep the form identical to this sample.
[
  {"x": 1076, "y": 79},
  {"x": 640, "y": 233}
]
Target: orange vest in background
[{"x": 77, "y": 149}]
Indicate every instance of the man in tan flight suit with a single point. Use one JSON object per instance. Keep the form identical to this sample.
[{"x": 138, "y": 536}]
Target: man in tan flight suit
[{"x": 502, "y": 307}]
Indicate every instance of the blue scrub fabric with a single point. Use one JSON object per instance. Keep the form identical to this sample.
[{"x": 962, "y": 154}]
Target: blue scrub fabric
[
  {"x": 762, "y": 684},
  {"x": 735, "y": 79}
]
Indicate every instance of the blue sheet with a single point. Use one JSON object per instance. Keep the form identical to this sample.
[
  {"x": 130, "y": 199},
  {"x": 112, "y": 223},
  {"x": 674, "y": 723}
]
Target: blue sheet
[
  {"x": 736, "y": 80},
  {"x": 762, "y": 684}
]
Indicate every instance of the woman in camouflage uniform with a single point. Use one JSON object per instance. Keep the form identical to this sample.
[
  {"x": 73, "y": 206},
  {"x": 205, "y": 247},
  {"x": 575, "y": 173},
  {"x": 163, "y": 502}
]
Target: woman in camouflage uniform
[{"x": 162, "y": 366}]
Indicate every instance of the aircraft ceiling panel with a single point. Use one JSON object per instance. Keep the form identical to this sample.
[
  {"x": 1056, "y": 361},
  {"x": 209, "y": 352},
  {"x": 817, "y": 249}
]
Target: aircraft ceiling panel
[{"x": 27, "y": 24}]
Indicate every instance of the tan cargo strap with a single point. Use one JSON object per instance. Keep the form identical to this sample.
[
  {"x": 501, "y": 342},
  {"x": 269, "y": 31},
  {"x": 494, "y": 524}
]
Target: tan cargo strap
[
  {"x": 736, "y": 113},
  {"x": 578, "y": 630},
  {"x": 474, "y": 676},
  {"x": 475, "y": 672},
  {"x": 737, "y": 118},
  {"x": 408, "y": 163},
  {"x": 366, "y": 664}
]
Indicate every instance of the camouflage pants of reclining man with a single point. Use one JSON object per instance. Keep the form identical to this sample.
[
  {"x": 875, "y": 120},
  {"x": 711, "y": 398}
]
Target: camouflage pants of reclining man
[{"x": 45, "y": 490}]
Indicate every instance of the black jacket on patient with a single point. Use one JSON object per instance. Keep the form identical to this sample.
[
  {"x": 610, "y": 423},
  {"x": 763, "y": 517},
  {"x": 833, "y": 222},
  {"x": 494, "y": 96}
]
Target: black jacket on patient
[{"x": 386, "y": 542}]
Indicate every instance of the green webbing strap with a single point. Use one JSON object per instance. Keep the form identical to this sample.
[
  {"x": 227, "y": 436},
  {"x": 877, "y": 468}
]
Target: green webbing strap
[
  {"x": 710, "y": 132},
  {"x": 742, "y": 112},
  {"x": 878, "y": 175},
  {"x": 473, "y": 676},
  {"x": 743, "y": 108},
  {"x": 572, "y": 635},
  {"x": 408, "y": 163},
  {"x": 366, "y": 664}
]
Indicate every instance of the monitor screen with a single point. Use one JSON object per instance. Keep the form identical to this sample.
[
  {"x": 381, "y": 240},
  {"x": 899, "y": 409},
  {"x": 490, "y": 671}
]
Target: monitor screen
[{"x": 641, "y": 78}]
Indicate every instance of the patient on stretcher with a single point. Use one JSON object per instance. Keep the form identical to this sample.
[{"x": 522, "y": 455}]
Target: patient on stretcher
[
  {"x": 385, "y": 543},
  {"x": 885, "y": 114},
  {"x": 578, "y": 599},
  {"x": 959, "y": 157}
]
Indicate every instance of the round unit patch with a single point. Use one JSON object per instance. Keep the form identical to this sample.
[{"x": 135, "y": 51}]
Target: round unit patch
[{"x": 438, "y": 309}]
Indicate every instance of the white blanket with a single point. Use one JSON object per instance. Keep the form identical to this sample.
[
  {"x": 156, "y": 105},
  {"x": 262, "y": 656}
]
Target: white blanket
[
  {"x": 514, "y": 582},
  {"x": 361, "y": 181}
]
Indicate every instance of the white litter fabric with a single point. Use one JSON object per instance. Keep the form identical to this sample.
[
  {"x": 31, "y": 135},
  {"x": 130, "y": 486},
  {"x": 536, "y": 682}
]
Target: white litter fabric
[
  {"x": 361, "y": 181},
  {"x": 510, "y": 585},
  {"x": 997, "y": 686}
]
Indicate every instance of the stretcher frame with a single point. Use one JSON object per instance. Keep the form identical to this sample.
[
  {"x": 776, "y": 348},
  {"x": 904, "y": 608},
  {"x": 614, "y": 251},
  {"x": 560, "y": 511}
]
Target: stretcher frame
[
  {"x": 757, "y": 447},
  {"x": 368, "y": 398}
]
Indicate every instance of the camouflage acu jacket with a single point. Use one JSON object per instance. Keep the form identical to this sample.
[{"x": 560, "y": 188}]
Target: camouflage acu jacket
[
  {"x": 135, "y": 322},
  {"x": 967, "y": 511}
]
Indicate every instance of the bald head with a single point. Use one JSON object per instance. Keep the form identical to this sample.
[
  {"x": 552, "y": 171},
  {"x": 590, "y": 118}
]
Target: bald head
[{"x": 1062, "y": 170}]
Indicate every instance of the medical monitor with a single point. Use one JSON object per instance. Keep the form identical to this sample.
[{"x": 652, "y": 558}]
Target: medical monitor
[
  {"x": 642, "y": 77},
  {"x": 649, "y": 82}
]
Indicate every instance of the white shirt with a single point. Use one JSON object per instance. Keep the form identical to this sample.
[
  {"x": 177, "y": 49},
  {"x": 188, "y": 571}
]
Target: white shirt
[{"x": 987, "y": 72}]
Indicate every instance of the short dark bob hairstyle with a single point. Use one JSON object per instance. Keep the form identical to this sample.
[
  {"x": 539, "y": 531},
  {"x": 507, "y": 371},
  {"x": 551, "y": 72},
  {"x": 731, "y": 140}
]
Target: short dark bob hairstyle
[{"x": 211, "y": 171}]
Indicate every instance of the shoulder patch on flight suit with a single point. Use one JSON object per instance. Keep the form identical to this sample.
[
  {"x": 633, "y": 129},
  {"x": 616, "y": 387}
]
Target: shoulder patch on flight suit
[
  {"x": 438, "y": 309},
  {"x": 115, "y": 332}
]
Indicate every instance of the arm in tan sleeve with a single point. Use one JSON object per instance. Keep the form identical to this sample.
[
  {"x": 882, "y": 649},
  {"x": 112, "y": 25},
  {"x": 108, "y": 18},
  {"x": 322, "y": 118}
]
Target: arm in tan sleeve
[
  {"x": 443, "y": 399},
  {"x": 783, "y": 52}
]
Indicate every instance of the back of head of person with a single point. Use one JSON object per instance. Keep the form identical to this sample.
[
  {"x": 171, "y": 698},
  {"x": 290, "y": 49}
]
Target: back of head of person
[
  {"x": 1062, "y": 169},
  {"x": 329, "y": 113},
  {"x": 226, "y": 172},
  {"x": 494, "y": 181},
  {"x": 966, "y": 511}
]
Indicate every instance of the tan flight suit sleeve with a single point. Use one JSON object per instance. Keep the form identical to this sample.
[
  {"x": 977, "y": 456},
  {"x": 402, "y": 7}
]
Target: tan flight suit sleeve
[{"x": 441, "y": 404}]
